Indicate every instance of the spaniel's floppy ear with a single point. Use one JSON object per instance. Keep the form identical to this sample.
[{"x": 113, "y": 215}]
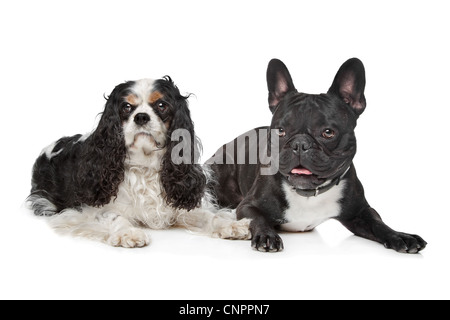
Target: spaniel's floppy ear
[
  {"x": 183, "y": 181},
  {"x": 101, "y": 165}
]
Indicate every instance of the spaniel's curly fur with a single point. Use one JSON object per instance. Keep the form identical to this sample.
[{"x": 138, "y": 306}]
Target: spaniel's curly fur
[{"x": 110, "y": 183}]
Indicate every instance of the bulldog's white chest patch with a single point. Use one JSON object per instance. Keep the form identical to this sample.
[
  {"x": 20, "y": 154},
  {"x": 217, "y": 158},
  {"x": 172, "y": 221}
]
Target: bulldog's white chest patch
[{"x": 306, "y": 213}]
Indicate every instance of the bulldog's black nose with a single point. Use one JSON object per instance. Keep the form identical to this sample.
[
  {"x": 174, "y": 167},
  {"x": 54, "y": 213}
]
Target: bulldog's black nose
[
  {"x": 301, "y": 145},
  {"x": 141, "y": 119}
]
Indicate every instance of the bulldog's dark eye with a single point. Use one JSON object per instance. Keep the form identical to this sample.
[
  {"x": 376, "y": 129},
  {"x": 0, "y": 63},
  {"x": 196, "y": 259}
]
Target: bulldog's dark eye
[
  {"x": 281, "y": 132},
  {"x": 127, "y": 108},
  {"x": 162, "y": 107},
  {"x": 328, "y": 133}
]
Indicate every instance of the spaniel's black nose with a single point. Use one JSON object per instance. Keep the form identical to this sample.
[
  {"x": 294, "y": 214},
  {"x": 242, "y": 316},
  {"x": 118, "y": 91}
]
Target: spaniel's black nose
[{"x": 141, "y": 119}]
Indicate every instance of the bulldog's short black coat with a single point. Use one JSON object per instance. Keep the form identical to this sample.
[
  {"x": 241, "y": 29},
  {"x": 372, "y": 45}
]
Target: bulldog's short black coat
[{"x": 315, "y": 178}]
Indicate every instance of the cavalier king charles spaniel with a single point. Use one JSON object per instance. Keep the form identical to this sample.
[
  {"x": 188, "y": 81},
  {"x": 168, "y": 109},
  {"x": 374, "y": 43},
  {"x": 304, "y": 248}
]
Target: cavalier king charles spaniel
[{"x": 110, "y": 184}]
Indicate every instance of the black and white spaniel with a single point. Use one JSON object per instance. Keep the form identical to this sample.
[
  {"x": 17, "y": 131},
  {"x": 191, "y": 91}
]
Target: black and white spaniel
[{"x": 110, "y": 183}]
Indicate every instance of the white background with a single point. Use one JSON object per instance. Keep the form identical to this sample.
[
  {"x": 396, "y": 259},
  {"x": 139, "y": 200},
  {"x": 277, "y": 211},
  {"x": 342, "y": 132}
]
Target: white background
[{"x": 58, "y": 58}]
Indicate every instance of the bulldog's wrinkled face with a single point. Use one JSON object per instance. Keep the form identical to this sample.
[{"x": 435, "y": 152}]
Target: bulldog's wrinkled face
[
  {"x": 316, "y": 138},
  {"x": 317, "y": 141}
]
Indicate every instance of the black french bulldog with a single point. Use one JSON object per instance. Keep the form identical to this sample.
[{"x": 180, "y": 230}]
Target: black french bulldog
[{"x": 312, "y": 143}]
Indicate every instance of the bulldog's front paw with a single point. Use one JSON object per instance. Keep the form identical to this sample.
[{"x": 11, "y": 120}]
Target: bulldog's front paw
[
  {"x": 268, "y": 241},
  {"x": 405, "y": 243}
]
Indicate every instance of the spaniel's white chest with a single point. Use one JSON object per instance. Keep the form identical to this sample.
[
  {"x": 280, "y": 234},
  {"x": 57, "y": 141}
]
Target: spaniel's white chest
[
  {"x": 305, "y": 213},
  {"x": 140, "y": 199}
]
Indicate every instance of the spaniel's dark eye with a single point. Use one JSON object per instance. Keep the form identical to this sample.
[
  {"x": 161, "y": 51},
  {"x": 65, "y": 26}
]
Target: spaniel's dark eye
[
  {"x": 162, "y": 106},
  {"x": 328, "y": 133},
  {"x": 127, "y": 108}
]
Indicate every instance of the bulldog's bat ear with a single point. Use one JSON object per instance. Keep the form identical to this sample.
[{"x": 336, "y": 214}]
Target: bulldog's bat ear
[
  {"x": 349, "y": 84},
  {"x": 279, "y": 82}
]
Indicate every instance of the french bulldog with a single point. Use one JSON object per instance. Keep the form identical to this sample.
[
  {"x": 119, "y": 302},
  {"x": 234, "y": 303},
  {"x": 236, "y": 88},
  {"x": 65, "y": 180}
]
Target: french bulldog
[{"x": 312, "y": 143}]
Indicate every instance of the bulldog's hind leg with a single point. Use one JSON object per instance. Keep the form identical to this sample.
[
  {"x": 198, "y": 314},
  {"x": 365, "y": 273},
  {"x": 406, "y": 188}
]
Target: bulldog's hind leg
[{"x": 221, "y": 224}]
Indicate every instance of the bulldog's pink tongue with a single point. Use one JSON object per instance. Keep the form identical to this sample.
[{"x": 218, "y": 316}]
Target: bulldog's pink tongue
[{"x": 301, "y": 171}]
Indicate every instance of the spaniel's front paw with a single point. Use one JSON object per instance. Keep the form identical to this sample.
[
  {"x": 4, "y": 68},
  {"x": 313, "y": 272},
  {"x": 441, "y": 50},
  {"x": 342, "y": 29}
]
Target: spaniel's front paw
[
  {"x": 129, "y": 238},
  {"x": 235, "y": 230}
]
